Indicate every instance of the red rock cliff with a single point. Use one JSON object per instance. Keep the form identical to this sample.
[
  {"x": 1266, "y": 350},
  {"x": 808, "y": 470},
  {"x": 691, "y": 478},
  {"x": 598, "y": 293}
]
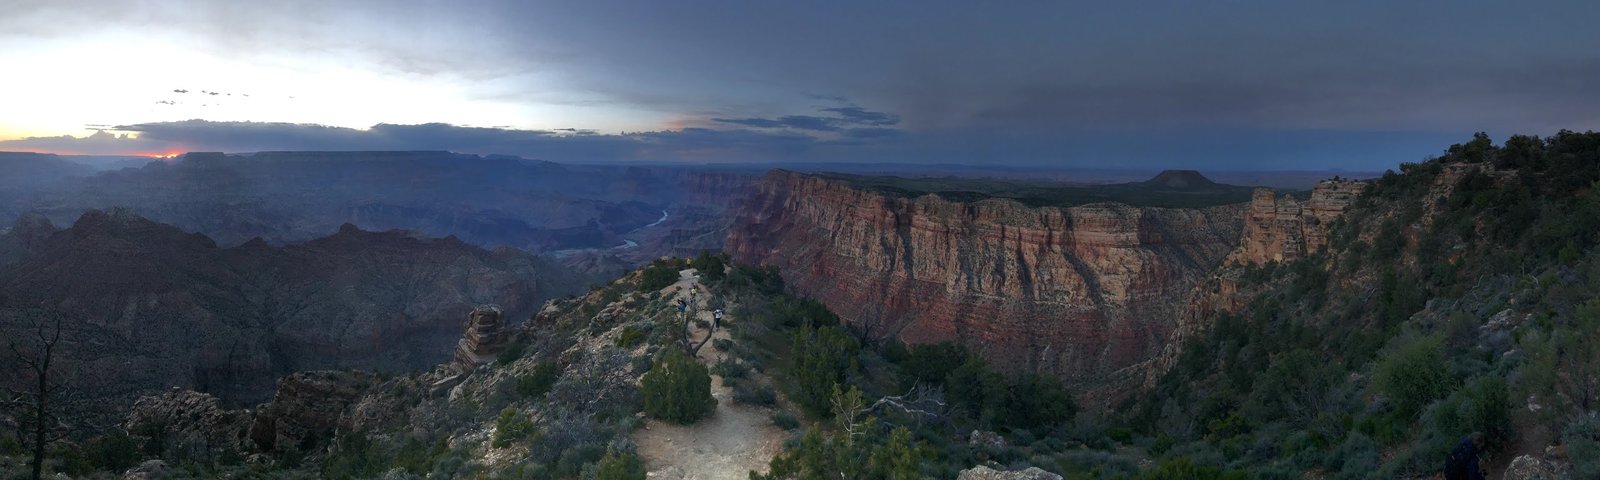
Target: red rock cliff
[
  {"x": 1083, "y": 293},
  {"x": 1279, "y": 228}
]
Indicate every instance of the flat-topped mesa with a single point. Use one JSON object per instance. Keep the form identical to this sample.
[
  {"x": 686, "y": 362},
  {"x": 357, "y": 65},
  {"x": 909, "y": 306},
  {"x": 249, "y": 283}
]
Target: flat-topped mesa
[
  {"x": 485, "y": 337},
  {"x": 1180, "y": 179},
  {"x": 1280, "y": 228}
]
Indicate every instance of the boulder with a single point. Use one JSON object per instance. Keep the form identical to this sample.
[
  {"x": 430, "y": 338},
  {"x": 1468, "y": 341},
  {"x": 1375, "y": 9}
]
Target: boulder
[
  {"x": 1528, "y": 467},
  {"x": 149, "y": 470},
  {"x": 985, "y": 473}
]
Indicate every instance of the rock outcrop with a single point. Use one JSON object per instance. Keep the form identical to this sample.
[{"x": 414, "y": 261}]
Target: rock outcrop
[
  {"x": 1529, "y": 467},
  {"x": 308, "y": 407},
  {"x": 189, "y": 422},
  {"x": 1083, "y": 292},
  {"x": 484, "y": 338},
  {"x": 985, "y": 473},
  {"x": 308, "y": 404},
  {"x": 1280, "y": 228}
]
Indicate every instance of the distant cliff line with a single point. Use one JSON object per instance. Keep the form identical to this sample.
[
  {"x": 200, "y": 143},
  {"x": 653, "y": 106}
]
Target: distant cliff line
[{"x": 1090, "y": 293}]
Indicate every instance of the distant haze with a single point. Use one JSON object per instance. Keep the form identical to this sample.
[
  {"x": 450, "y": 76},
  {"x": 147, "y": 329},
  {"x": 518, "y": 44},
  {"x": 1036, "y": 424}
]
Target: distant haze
[{"x": 1233, "y": 85}]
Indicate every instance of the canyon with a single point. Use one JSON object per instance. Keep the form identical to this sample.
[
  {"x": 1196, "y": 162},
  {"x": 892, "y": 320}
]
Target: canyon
[
  {"x": 489, "y": 201},
  {"x": 146, "y": 305},
  {"x": 1091, "y": 293}
]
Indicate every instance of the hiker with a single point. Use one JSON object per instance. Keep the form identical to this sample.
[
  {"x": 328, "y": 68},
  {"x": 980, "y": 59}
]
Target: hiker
[
  {"x": 1463, "y": 461},
  {"x": 716, "y": 319},
  {"x": 682, "y": 306}
]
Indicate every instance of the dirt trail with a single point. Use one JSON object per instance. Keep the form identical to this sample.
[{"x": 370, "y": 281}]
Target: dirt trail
[{"x": 734, "y": 440}]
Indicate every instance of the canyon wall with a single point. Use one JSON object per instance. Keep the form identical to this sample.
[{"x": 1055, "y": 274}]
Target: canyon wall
[
  {"x": 1087, "y": 293},
  {"x": 1276, "y": 229},
  {"x": 1280, "y": 228}
]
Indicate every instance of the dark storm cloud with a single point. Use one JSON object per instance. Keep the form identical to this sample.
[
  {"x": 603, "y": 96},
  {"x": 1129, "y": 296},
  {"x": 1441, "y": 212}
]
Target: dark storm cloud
[
  {"x": 873, "y": 132},
  {"x": 687, "y": 144},
  {"x": 956, "y": 81},
  {"x": 807, "y": 122},
  {"x": 863, "y": 116},
  {"x": 843, "y": 119},
  {"x": 750, "y": 122}
]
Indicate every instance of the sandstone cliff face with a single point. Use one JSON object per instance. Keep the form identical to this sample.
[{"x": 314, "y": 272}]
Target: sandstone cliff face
[
  {"x": 1280, "y": 229},
  {"x": 1082, "y": 293}
]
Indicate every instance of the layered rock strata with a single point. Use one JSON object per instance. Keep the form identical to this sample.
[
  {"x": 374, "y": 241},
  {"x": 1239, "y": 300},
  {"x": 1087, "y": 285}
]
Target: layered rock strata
[
  {"x": 1280, "y": 228},
  {"x": 1079, "y": 292},
  {"x": 484, "y": 339}
]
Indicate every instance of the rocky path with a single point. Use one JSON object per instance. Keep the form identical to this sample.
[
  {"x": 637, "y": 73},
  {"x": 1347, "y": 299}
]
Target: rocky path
[{"x": 734, "y": 440}]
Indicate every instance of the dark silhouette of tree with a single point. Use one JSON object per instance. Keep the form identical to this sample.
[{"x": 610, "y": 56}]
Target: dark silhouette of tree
[{"x": 36, "y": 348}]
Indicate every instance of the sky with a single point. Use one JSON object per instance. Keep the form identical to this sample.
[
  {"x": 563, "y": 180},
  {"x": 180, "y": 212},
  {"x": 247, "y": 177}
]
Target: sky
[{"x": 1220, "y": 84}]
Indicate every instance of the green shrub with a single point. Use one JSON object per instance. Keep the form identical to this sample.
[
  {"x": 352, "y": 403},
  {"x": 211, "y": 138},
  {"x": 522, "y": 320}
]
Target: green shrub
[
  {"x": 511, "y": 354},
  {"x": 1583, "y": 446},
  {"x": 1414, "y": 375},
  {"x": 113, "y": 452},
  {"x": 629, "y": 337},
  {"x": 538, "y": 383},
  {"x": 711, "y": 267},
  {"x": 355, "y": 456},
  {"x": 976, "y": 390},
  {"x": 1356, "y": 457},
  {"x": 729, "y": 368},
  {"x": 1037, "y": 401},
  {"x": 510, "y": 426},
  {"x": 931, "y": 363},
  {"x": 1484, "y": 405},
  {"x": 1182, "y": 468},
  {"x": 659, "y": 275},
  {"x": 762, "y": 280},
  {"x": 572, "y": 460},
  {"x": 747, "y": 393},
  {"x": 619, "y": 466},
  {"x": 785, "y": 420},
  {"x": 677, "y": 389},
  {"x": 822, "y": 357},
  {"x": 722, "y": 344}
]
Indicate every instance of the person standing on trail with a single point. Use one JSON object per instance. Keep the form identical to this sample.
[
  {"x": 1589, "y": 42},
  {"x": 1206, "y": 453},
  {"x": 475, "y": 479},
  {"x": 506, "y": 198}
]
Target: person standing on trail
[
  {"x": 716, "y": 319},
  {"x": 682, "y": 306},
  {"x": 1463, "y": 461}
]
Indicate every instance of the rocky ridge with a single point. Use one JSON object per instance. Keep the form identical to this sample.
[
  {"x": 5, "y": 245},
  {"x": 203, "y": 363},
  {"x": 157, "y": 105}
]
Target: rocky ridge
[{"x": 461, "y": 417}]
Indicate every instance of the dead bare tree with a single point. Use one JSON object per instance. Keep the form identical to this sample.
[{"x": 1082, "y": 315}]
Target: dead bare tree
[
  {"x": 921, "y": 403},
  {"x": 42, "y": 336},
  {"x": 689, "y": 344}
]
